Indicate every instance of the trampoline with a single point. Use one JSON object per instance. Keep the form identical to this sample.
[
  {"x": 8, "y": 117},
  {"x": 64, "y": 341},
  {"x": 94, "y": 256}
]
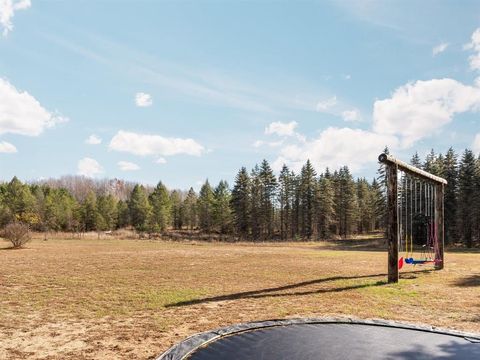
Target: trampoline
[{"x": 311, "y": 339}]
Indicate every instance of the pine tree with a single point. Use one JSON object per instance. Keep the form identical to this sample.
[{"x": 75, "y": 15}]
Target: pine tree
[
  {"x": 39, "y": 206},
  {"x": 240, "y": 203},
  {"x": 466, "y": 196},
  {"x": 139, "y": 208},
  {"x": 89, "y": 212},
  {"x": 160, "y": 216},
  {"x": 450, "y": 165},
  {"x": 365, "y": 209},
  {"x": 222, "y": 215},
  {"x": 107, "y": 213},
  {"x": 61, "y": 211},
  {"x": 307, "y": 199},
  {"x": 268, "y": 188},
  {"x": 326, "y": 205},
  {"x": 415, "y": 161},
  {"x": 378, "y": 205},
  {"x": 21, "y": 202},
  {"x": 382, "y": 184},
  {"x": 123, "y": 214},
  {"x": 434, "y": 164},
  {"x": 205, "y": 207},
  {"x": 286, "y": 196},
  {"x": 177, "y": 210},
  {"x": 190, "y": 209},
  {"x": 347, "y": 210},
  {"x": 476, "y": 210},
  {"x": 256, "y": 203}
]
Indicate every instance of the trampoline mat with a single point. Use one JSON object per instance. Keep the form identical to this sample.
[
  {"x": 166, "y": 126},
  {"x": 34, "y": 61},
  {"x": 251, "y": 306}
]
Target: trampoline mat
[{"x": 309, "y": 341}]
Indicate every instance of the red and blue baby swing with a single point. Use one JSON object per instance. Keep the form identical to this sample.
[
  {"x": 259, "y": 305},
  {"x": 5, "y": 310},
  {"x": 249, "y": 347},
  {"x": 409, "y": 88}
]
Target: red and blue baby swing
[{"x": 417, "y": 223}]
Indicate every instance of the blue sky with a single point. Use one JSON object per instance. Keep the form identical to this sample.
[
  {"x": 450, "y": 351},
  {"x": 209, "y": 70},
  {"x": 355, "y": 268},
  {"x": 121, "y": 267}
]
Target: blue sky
[{"x": 184, "y": 91}]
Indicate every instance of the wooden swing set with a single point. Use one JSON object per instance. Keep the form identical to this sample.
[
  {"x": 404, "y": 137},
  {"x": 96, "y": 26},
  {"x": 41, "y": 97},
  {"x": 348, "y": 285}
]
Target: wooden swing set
[{"x": 415, "y": 214}]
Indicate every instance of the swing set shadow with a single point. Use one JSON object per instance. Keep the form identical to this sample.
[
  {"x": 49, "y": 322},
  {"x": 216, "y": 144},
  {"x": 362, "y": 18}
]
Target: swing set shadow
[{"x": 273, "y": 291}]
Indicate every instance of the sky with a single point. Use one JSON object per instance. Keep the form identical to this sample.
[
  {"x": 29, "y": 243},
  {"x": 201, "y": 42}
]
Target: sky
[{"x": 182, "y": 91}]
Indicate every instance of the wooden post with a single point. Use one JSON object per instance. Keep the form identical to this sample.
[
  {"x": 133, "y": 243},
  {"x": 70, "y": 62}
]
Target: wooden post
[
  {"x": 392, "y": 220},
  {"x": 439, "y": 221}
]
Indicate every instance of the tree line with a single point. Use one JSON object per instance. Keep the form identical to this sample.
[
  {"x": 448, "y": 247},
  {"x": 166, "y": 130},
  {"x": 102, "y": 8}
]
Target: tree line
[{"x": 259, "y": 206}]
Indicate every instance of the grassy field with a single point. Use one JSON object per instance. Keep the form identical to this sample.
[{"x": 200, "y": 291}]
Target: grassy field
[{"x": 132, "y": 299}]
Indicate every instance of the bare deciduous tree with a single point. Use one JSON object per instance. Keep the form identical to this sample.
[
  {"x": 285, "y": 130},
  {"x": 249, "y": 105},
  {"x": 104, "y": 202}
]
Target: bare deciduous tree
[{"x": 17, "y": 233}]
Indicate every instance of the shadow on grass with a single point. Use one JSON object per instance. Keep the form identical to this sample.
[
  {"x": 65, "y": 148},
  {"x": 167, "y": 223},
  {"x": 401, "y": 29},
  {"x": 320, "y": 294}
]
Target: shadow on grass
[
  {"x": 355, "y": 245},
  {"x": 272, "y": 292},
  {"x": 469, "y": 281},
  {"x": 11, "y": 248}
]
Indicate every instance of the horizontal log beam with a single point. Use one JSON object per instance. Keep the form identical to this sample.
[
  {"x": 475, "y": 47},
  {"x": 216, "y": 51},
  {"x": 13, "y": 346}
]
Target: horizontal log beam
[{"x": 389, "y": 159}]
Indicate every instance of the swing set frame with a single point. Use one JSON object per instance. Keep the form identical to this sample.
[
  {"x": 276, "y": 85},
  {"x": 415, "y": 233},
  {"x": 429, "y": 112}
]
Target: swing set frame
[{"x": 392, "y": 166}]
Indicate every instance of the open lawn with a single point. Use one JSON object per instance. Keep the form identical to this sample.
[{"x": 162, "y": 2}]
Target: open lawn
[{"x": 132, "y": 299}]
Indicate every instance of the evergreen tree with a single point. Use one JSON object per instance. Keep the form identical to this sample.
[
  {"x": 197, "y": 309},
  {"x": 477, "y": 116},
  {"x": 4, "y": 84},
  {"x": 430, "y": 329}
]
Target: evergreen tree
[
  {"x": 222, "y": 215},
  {"x": 476, "y": 210},
  {"x": 256, "y": 203},
  {"x": 286, "y": 199},
  {"x": 160, "y": 215},
  {"x": 89, "y": 212},
  {"x": 450, "y": 166},
  {"x": 123, "y": 214},
  {"x": 382, "y": 185},
  {"x": 434, "y": 164},
  {"x": 346, "y": 203},
  {"x": 190, "y": 209},
  {"x": 21, "y": 202},
  {"x": 415, "y": 161},
  {"x": 268, "y": 187},
  {"x": 61, "y": 211},
  {"x": 139, "y": 208},
  {"x": 107, "y": 213},
  {"x": 365, "y": 208},
  {"x": 206, "y": 201},
  {"x": 240, "y": 203},
  {"x": 307, "y": 200},
  {"x": 177, "y": 209},
  {"x": 326, "y": 205},
  {"x": 466, "y": 196},
  {"x": 378, "y": 205}
]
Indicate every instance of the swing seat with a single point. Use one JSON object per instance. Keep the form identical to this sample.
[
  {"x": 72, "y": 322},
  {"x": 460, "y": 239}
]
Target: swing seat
[
  {"x": 400, "y": 263},
  {"x": 412, "y": 261}
]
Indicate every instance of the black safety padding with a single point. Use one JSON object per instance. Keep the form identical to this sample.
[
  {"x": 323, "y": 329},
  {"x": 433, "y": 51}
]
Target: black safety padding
[{"x": 336, "y": 341}]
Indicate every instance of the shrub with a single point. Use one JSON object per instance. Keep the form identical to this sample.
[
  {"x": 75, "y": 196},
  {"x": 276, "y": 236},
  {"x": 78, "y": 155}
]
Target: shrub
[{"x": 17, "y": 233}]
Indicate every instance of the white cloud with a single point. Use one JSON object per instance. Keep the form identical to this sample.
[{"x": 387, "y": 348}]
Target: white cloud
[
  {"x": 336, "y": 147},
  {"x": 326, "y": 104},
  {"x": 351, "y": 115},
  {"x": 143, "y": 99},
  {"x": 417, "y": 110},
  {"x": 7, "y": 12},
  {"x": 440, "y": 48},
  {"x": 474, "y": 45},
  {"x": 146, "y": 144},
  {"x": 281, "y": 129},
  {"x": 161, "y": 160},
  {"x": 21, "y": 113},
  {"x": 7, "y": 148},
  {"x": 476, "y": 144},
  {"x": 260, "y": 143},
  {"x": 128, "y": 166},
  {"x": 93, "y": 140},
  {"x": 89, "y": 167}
]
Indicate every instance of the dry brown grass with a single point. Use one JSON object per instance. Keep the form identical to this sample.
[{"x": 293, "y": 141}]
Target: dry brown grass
[{"x": 129, "y": 299}]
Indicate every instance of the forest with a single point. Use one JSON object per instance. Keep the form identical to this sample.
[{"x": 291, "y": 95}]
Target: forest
[{"x": 260, "y": 205}]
